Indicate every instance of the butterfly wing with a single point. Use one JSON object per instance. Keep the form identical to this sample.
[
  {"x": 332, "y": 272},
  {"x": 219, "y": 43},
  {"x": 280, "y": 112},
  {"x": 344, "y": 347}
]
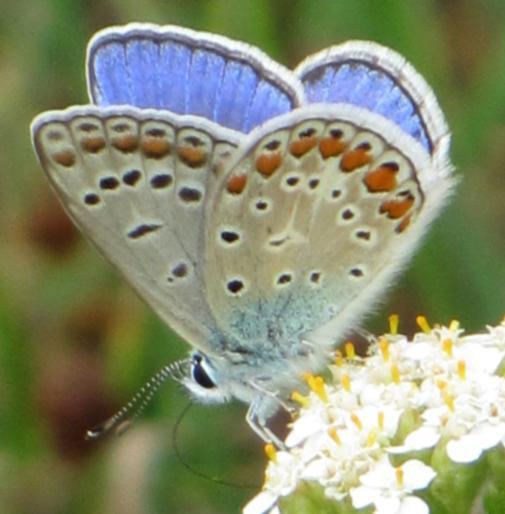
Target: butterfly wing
[
  {"x": 322, "y": 208},
  {"x": 135, "y": 172},
  {"x": 188, "y": 72},
  {"x": 136, "y": 183},
  {"x": 380, "y": 80}
]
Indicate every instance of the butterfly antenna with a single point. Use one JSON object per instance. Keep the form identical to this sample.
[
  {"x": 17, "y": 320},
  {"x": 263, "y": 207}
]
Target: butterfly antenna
[{"x": 123, "y": 419}]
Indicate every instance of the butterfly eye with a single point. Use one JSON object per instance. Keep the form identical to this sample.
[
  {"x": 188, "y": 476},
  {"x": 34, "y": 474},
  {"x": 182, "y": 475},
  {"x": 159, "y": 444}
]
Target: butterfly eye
[{"x": 199, "y": 373}]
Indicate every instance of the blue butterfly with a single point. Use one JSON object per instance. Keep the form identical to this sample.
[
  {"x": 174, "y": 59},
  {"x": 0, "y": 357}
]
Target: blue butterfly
[{"x": 259, "y": 211}]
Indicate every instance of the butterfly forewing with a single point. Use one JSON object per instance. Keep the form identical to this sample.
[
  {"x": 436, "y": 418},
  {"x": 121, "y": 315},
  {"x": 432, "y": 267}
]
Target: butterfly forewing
[
  {"x": 320, "y": 204},
  {"x": 189, "y": 72},
  {"x": 136, "y": 183},
  {"x": 380, "y": 80}
]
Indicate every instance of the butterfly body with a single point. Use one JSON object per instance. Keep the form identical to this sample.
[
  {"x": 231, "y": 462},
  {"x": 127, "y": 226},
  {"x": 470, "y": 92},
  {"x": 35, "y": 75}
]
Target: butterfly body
[{"x": 260, "y": 212}]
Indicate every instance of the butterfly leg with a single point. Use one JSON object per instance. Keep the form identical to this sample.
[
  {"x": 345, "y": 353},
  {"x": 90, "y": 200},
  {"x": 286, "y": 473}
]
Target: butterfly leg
[
  {"x": 258, "y": 422},
  {"x": 365, "y": 334},
  {"x": 274, "y": 397}
]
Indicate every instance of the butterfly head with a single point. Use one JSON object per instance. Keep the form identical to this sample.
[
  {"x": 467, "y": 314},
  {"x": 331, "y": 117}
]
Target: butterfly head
[{"x": 201, "y": 378}]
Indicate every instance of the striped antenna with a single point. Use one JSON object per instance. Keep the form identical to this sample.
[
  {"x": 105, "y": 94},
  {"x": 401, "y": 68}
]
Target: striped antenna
[{"x": 124, "y": 418}]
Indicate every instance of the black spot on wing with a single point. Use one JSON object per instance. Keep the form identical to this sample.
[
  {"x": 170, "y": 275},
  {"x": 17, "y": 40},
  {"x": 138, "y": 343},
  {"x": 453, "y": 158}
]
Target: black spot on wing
[{"x": 143, "y": 229}]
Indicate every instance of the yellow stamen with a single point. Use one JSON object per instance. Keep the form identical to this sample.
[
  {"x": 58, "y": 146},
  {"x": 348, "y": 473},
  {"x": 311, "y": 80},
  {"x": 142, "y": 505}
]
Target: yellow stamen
[
  {"x": 449, "y": 401},
  {"x": 462, "y": 369},
  {"x": 298, "y": 397},
  {"x": 394, "y": 321},
  {"x": 380, "y": 420},
  {"x": 441, "y": 384},
  {"x": 447, "y": 345},
  {"x": 399, "y": 476},
  {"x": 339, "y": 359},
  {"x": 395, "y": 374},
  {"x": 454, "y": 325},
  {"x": 384, "y": 348},
  {"x": 356, "y": 421},
  {"x": 371, "y": 438},
  {"x": 306, "y": 377},
  {"x": 332, "y": 432},
  {"x": 423, "y": 324},
  {"x": 270, "y": 452},
  {"x": 316, "y": 384},
  {"x": 346, "y": 382},
  {"x": 350, "y": 351}
]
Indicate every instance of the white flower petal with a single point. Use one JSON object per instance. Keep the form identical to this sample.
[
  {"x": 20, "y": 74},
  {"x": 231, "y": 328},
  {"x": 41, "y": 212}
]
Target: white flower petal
[
  {"x": 382, "y": 475},
  {"x": 416, "y": 474},
  {"x": 465, "y": 449},
  {"x": 362, "y": 496},
  {"x": 303, "y": 428},
  {"x": 261, "y": 503},
  {"x": 316, "y": 470},
  {"x": 419, "y": 351},
  {"x": 490, "y": 434},
  {"x": 420, "y": 439},
  {"x": 480, "y": 359},
  {"x": 413, "y": 505},
  {"x": 387, "y": 505}
]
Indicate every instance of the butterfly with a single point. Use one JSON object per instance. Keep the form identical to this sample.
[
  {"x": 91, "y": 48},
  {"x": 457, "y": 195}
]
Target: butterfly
[{"x": 259, "y": 211}]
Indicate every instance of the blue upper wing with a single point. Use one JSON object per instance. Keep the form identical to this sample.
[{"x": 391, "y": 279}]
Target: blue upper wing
[
  {"x": 377, "y": 79},
  {"x": 189, "y": 72}
]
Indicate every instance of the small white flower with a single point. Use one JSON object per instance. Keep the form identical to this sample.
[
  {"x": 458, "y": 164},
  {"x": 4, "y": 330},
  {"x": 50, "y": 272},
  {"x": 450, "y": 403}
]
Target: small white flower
[
  {"x": 497, "y": 335},
  {"x": 390, "y": 489},
  {"x": 282, "y": 476},
  {"x": 282, "y": 473},
  {"x": 441, "y": 389}
]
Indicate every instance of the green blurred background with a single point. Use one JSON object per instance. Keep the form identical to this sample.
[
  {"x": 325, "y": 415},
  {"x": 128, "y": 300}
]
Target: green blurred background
[{"x": 74, "y": 340}]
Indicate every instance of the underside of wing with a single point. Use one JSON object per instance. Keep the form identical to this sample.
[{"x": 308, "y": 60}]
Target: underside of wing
[
  {"x": 320, "y": 211},
  {"x": 136, "y": 183},
  {"x": 189, "y": 72}
]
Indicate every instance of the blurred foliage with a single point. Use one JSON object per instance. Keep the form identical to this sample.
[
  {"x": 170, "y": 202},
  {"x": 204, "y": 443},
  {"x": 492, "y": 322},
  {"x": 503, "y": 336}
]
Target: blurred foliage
[{"x": 75, "y": 341}]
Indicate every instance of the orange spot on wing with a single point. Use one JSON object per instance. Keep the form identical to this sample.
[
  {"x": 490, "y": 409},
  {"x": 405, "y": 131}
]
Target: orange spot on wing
[
  {"x": 155, "y": 147},
  {"x": 403, "y": 224},
  {"x": 397, "y": 208},
  {"x": 65, "y": 158},
  {"x": 331, "y": 146},
  {"x": 126, "y": 144},
  {"x": 193, "y": 157},
  {"x": 267, "y": 163},
  {"x": 93, "y": 144},
  {"x": 354, "y": 159},
  {"x": 303, "y": 145},
  {"x": 382, "y": 179},
  {"x": 236, "y": 184}
]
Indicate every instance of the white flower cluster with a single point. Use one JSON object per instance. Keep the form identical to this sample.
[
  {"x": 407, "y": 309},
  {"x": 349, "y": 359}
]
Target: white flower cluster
[{"x": 441, "y": 390}]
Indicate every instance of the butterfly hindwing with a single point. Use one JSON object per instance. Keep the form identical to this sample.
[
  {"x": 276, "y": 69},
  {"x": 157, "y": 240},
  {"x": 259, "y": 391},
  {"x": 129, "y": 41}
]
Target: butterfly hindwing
[
  {"x": 136, "y": 183},
  {"x": 320, "y": 210}
]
